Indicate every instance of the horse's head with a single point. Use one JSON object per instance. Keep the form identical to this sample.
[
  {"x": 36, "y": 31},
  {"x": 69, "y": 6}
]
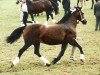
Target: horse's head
[{"x": 79, "y": 15}]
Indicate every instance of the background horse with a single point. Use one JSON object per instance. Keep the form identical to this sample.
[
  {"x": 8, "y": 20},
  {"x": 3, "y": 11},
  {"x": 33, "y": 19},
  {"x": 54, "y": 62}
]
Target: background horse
[
  {"x": 55, "y": 5},
  {"x": 56, "y": 1},
  {"x": 38, "y": 6},
  {"x": 61, "y": 33}
]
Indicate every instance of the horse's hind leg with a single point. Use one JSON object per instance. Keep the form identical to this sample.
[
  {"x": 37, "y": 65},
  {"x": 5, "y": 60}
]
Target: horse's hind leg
[
  {"x": 63, "y": 48},
  {"x": 21, "y": 51},
  {"x": 47, "y": 15},
  {"x": 36, "y": 51},
  {"x": 52, "y": 17},
  {"x": 73, "y": 42}
]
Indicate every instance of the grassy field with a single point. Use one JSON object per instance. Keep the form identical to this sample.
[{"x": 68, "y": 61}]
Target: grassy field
[{"x": 29, "y": 64}]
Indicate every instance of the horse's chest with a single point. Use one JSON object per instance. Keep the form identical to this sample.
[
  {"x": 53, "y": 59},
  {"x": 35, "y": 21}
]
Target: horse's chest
[{"x": 70, "y": 33}]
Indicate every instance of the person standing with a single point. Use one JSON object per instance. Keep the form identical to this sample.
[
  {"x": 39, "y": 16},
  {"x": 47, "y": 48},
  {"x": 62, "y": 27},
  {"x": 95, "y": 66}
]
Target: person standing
[
  {"x": 66, "y": 6},
  {"x": 24, "y": 12},
  {"x": 97, "y": 14}
]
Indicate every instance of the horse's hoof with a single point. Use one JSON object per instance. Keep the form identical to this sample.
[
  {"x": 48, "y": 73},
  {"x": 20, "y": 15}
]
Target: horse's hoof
[
  {"x": 82, "y": 60},
  {"x": 12, "y": 65},
  {"x": 72, "y": 58},
  {"x": 58, "y": 62},
  {"x": 53, "y": 62},
  {"x": 48, "y": 64}
]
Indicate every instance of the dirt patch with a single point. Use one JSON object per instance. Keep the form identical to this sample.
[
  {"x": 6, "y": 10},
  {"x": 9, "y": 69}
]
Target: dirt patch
[{"x": 1, "y": 71}]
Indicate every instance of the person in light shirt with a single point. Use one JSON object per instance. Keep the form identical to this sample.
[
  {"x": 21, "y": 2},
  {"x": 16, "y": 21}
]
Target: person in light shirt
[{"x": 24, "y": 12}]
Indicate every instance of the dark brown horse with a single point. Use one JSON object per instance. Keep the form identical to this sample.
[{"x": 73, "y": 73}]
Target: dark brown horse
[
  {"x": 38, "y": 6},
  {"x": 62, "y": 33}
]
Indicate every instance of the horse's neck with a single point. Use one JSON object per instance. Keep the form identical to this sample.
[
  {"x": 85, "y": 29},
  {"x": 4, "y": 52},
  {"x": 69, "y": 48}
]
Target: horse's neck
[{"x": 72, "y": 22}]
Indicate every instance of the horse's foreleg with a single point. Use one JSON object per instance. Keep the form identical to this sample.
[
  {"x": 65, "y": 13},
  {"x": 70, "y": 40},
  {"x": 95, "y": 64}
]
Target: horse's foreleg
[
  {"x": 74, "y": 43},
  {"x": 16, "y": 60},
  {"x": 72, "y": 57},
  {"x": 36, "y": 51},
  {"x": 52, "y": 17},
  {"x": 32, "y": 17},
  {"x": 47, "y": 15},
  {"x": 63, "y": 48}
]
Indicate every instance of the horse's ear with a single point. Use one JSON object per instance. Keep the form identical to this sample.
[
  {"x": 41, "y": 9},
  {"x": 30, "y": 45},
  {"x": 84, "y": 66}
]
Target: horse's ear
[
  {"x": 80, "y": 8},
  {"x": 76, "y": 7}
]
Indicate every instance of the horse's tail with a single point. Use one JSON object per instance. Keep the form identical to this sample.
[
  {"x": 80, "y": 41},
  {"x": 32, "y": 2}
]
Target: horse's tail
[
  {"x": 55, "y": 7},
  {"x": 15, "y": 35}
]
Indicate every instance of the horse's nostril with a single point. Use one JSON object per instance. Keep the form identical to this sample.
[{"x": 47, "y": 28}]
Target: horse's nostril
[{"x": 84, "y": 21}]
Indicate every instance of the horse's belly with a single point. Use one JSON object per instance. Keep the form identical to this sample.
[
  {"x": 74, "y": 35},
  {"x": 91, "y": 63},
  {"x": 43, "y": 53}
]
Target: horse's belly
[
  {"x": 52, "y": 38},
  {"x": 35, "y": 11},
  {"x": 51, "y": 41}
]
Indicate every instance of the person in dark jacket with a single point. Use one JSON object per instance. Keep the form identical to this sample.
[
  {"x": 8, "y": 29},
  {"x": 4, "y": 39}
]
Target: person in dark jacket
[
  {"x": 97, "y": 15},
  {"x": 66, "y": 6}
]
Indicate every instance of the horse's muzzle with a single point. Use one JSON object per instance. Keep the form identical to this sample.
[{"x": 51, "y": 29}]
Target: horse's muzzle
[{"x": 84, "y": 21}]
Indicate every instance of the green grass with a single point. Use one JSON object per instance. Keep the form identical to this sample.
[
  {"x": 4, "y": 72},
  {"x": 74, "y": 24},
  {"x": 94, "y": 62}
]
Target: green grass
[{"x": 30, "y": 64}]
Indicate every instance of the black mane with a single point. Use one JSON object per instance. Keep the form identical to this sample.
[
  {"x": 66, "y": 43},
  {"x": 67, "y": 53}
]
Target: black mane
[{"x": 64, "y": 19}]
